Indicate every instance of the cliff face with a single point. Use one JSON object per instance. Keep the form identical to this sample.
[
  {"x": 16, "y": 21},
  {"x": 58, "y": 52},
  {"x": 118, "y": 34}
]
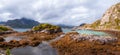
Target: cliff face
[
  {"x": 109, "y": 21},
  {"x": 111, "y": 15}
]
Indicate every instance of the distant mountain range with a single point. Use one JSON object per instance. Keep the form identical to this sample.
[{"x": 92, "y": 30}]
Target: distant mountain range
[
  {"x": 65, "y": 26},
  {"x": 21, "y": 23},
  {"x": 1, "y": 23},
  {"x": 26, "y": 23}
]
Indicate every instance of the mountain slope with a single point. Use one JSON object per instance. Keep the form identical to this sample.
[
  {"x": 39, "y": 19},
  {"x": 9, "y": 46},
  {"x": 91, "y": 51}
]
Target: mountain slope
[
  {"x": 109, "y": 21},
  {"x": 21, "y": 23}
]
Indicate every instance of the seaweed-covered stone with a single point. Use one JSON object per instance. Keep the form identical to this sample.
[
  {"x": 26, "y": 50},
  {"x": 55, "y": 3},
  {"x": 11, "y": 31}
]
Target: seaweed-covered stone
[{"x": 47, "y": 28}]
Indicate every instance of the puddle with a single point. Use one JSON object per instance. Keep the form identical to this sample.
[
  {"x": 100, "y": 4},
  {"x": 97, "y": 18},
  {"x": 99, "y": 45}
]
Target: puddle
[{"x": 42, "y": 49}]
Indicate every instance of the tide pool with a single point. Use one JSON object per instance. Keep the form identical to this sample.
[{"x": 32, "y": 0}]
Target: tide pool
[{"x": 91, "y": 32}]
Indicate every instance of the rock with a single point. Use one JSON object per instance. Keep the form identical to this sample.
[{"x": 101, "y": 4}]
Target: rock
[
  {"x": 46, "y": 28},
  {"x": 23, "y": 42},
  {"x": 14, "y": 41},
  {"x": 34, "y": 43},
  {"x": 3, "y": 44},
  {"x": 2, "y": 39},
  {"x": 82, "y": 37}
]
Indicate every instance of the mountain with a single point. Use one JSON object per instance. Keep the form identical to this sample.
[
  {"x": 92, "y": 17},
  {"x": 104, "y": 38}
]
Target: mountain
[
  {"x": 109, "y": 21},
  {"x": 64, "y": 26},
  {"x": 1, "y": 23},
  {"x": 21, "y": 23}
]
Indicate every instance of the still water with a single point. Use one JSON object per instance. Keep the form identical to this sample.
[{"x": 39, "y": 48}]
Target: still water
[
  {"x": 20, "y": 30},
  {"x": 42, "y": 49}
]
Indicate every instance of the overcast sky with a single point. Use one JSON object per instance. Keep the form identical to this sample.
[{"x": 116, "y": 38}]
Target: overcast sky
[{"x": 69, "y": 12}]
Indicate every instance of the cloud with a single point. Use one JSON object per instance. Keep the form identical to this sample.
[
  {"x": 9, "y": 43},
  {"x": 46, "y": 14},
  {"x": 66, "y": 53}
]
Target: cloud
[{"x": 69, "y": 12}]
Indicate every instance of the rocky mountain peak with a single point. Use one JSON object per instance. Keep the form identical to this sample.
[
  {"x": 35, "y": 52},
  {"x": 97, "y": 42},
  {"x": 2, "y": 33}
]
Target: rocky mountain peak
[
  {"x": 112, "y": 14},
  {"x": 109, "y": 21}
]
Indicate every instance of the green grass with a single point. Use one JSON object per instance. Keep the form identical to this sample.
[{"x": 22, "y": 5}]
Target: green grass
[{"x": 8, "y": 52}]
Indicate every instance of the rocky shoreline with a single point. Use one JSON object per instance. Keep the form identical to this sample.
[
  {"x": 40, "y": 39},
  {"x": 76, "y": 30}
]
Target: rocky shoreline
[
  {"x": 77, "y": 44},
  {"x": 31, "y": 39},
  {"x": 71, "y": 43}
]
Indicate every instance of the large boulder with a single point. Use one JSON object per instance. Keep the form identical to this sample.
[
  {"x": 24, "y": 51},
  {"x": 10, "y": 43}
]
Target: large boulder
[{"x": 47, "y": 28}]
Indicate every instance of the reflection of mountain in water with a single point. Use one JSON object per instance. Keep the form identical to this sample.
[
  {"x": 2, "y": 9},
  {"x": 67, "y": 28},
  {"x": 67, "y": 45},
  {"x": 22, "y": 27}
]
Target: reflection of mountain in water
[{"x": 42, "y": 49}]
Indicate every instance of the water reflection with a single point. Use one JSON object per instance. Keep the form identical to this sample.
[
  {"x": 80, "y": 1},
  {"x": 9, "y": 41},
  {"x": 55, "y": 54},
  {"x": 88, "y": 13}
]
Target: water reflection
[{"x": 42, "y": 49}]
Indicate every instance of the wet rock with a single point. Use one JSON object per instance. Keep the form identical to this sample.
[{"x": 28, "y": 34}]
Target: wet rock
[
  {"x": 3, "y": 44},
  {"x": 14, "y": 41},
  {"x": 34, "y": 43},
  {"x": 2, "y": 39},
  {"x": 7, "y": 32},
  {"x": 83, "y": 37},
  {"x": 23, "y": 42}
]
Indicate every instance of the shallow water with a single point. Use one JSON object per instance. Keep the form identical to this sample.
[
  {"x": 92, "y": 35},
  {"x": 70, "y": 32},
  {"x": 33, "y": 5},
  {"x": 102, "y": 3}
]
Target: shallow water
[
  {"x": 20, "y": 29},
  {"x": 7, "y": 39},
  {"x": 42, "y": 49},
  {"x": 91, "y": 32},
  {"x": 65, "y": 30}
]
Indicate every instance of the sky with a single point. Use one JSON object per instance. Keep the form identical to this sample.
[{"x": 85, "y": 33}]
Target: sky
[{"x": 68, "y": 12}]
